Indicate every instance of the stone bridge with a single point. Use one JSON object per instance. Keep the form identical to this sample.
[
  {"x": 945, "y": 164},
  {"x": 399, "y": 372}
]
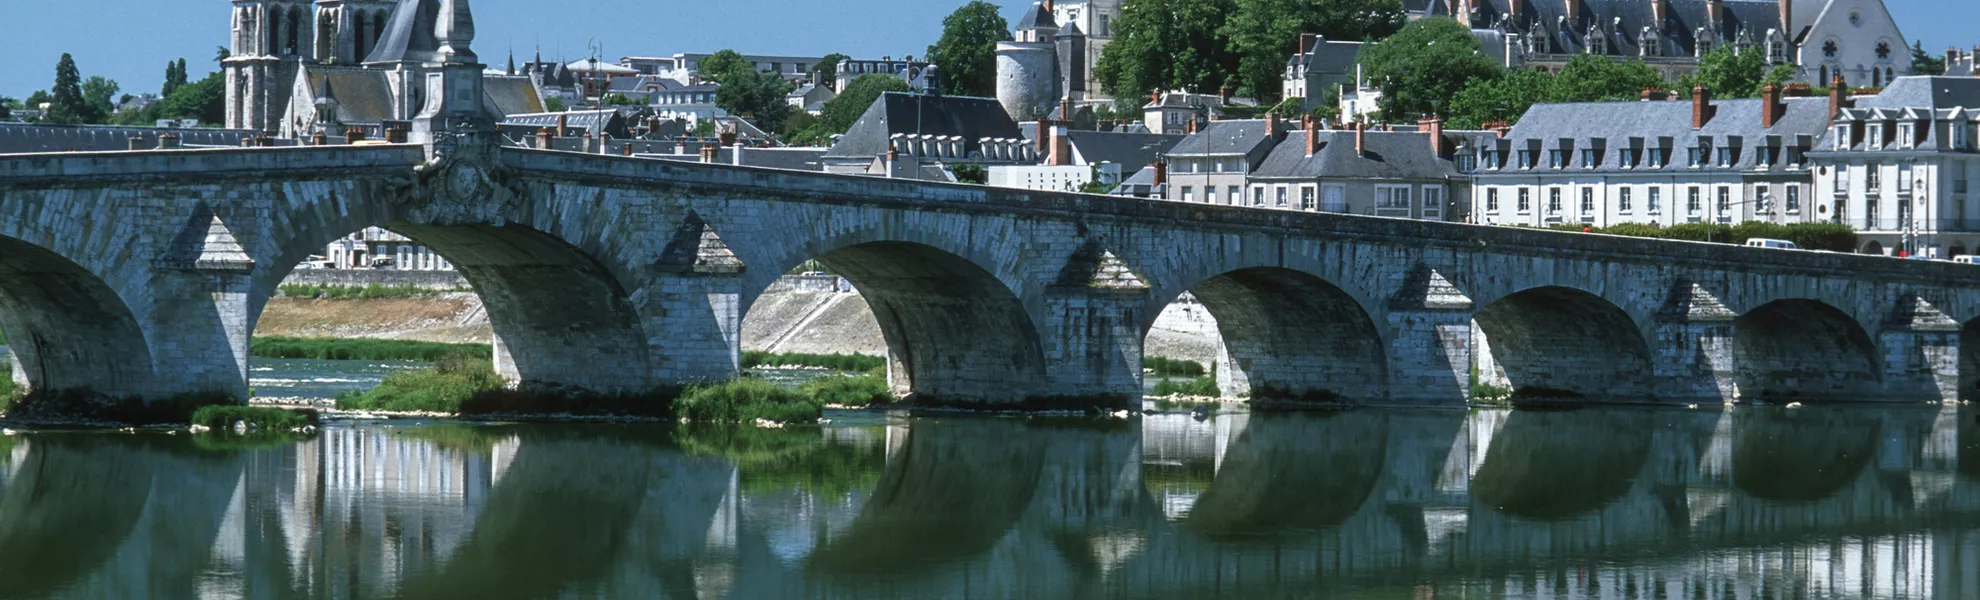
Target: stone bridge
[{"x": 143, "y": 273}]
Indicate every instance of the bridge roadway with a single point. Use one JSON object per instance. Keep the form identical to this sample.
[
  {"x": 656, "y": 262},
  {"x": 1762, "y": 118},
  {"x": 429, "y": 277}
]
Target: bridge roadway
[
  {"x": 143, "y": 273},
  {"x": 1692, "y": 504}
]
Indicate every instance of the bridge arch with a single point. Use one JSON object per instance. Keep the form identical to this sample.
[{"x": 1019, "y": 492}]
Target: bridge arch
[
  {"x": 1291, "y": 335},
  {"x": 1548, "y": 465},
  {"x": 67, "y": 327},
  {"x": 562, "y": 317},
  {"x": 954, "y": 331},
  {"x": 1801, "y": 348},
  {"x": 1558, "y": 341}
]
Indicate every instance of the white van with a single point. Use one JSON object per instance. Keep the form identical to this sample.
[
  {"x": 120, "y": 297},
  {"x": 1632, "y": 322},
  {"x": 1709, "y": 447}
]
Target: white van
[
  {"x": 1967, "y": 259},
  {"x": 1767, "y": 243}
]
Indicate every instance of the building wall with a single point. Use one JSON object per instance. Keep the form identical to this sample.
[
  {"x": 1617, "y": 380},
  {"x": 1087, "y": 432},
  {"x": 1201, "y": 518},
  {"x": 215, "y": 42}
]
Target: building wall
[
  {"x": 1857, "y": 28},
  {"x": 1672, "y": 192},
  {"x": 1946, "y": 221},
  {"x": 1434, "y": 200}
]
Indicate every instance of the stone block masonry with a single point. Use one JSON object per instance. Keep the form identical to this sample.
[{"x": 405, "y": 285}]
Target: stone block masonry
[{"x": 142, "y": 273}]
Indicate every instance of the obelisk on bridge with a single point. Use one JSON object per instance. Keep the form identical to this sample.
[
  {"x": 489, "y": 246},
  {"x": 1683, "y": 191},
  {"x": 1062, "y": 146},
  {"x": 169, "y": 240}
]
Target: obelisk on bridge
[{"x": 454, "y": 113}]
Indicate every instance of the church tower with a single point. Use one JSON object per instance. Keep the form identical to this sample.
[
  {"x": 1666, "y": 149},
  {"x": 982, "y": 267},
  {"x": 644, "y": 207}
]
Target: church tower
[
  {"x": 270, "y": 40},
  {"x": 348, "y": 30}
]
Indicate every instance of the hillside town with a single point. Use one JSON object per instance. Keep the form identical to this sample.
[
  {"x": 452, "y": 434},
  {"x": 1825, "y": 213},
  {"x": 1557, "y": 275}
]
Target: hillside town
[{"x": 1687, "y": 119}]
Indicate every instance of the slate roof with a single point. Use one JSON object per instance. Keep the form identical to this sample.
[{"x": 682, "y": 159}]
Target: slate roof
[
  {"x": 409, "y": 37},
  {"x": 1389, "y": 155},
  {"x": 363, "y": 95},
  {"x": 1132, "y": 151},
  {"x": 1037, "y": 17},
  {"x": 1328, "y": 57},
  {"x": 1911, "y": 99},
  {"x": 1223, "y": 138},
  {"x": 611, "y": 121},
  {"x": 21, "y": 138},
  {"x": 511, "y": 95},
  {"x": 1615, "y": 124},
  {"x": 1676, "y": 35},
  {"x": 971, "y": 118}
]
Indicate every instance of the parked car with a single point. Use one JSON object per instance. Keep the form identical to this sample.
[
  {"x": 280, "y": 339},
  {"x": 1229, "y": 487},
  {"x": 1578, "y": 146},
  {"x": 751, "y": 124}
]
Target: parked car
[
  {"x": 1969, "y": 259},
  {"x": 1767, "y": 243}
]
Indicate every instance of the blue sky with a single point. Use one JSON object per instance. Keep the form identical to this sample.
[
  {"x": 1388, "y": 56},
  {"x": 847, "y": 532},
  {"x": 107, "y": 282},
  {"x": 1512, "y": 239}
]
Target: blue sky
[{"x": 130, "y": 40}]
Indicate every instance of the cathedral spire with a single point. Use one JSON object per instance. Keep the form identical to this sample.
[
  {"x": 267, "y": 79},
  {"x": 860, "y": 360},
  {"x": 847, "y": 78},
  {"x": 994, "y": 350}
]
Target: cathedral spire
[
  {"x": 455, "y": 32},
  {"x": 512, "y": 62}
]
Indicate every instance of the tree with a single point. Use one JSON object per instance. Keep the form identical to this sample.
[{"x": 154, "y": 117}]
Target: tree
[
  {"x": 1733, "y": 73},
  {"x": 718, "y": 66},
  {"x": 554, "y": 104},
  {"x": 840, "y": 113},
  {"x": 36, "y": 99},
  {"x": 1586, "y": 78},
  {"x": 101, "y": 95},
  {"x": 1166, "y": 44},
  {"x": 827, "y": 68},
  {"x": 1263, "y": 33},
  {"x": 761, "y": 96},
  {"x": 1421, "y": 68},
  {"x": 205, "y": 100},
  {"x": 967, "y": 52},
  {"x": 221, "y": 54},
  {"x": 67, "y": 103},
  {"x": 1925, "y": 64},
  {"x": 1502, "y": 99},
  {"x": 7, "y": 106},
  {"x": 175, "y": 76}
]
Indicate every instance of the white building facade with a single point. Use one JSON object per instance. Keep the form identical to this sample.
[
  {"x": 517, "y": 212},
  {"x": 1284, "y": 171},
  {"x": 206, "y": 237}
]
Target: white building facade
[{"x": 1899, "y": 168}]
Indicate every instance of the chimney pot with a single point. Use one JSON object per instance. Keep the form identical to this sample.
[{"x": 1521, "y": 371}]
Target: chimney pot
[
  {"x": 1360, "y": 139},
  {"x": 1161, "y": 174},
  {"x": 1838, "y": 97},
  {"x": 318, "y": 139},
  {"x": 1435, "y": 127},
  {"x": 168, "y": 141},
  {"x": 1312, "y": 135},
  {"x": 543, "y": 138},
  {"x": 136, "y": 142},
  {"x": 1771, "y": 107},
  {"x": 1701, "y": 106}
]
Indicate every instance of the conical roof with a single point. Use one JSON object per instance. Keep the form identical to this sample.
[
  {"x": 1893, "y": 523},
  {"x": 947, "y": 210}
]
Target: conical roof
[
  {"x": 1037, "y": 17},
  {"x": 409, "y": 37}
]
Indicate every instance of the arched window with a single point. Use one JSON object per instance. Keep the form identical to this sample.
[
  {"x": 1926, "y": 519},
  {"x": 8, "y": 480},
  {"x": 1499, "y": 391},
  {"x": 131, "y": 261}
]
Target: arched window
[
  {"x": 378, "y": 18},
  {"x": 1876, "y": 78},
  {"x": 272, "y": 25},
  {"x": 358, "y": 31},
  {"x": 1825, "y": 76},
  {"x": 294, "y": 45}
]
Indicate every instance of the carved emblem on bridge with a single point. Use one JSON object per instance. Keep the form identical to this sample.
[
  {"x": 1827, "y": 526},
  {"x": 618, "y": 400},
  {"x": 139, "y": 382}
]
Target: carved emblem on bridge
[{"x": 466, "y": 184}]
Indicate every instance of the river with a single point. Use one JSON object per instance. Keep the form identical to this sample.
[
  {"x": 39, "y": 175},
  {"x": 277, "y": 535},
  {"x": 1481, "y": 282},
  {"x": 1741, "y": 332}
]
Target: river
[{"x": 1737, "y": 504}]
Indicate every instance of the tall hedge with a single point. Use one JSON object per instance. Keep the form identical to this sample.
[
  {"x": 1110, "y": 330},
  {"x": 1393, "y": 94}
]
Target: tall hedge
[{"x": 1834, "y": 237}]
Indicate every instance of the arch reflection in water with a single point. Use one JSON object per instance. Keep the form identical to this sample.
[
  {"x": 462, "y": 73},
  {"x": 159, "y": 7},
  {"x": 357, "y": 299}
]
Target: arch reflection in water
[
  {"x": 110, "y": 516},
  {"x": 1493, "y": 502}
]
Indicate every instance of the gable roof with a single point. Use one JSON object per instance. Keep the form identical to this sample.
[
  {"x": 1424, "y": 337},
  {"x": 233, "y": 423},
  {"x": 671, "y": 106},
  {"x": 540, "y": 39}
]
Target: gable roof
[
  {"x": 1544, "y": 126},
  {"x": 1676, "y": 34},
  {"x": 1223, "y": 137},
  {"x": 511, "y": 95},
  {"x": 893, "y": 113},
  {"x": 1132, "y": 151}
]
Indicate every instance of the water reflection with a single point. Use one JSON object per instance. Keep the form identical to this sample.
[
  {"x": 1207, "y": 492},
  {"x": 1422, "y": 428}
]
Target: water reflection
[{"x": 1606, "y": 503}]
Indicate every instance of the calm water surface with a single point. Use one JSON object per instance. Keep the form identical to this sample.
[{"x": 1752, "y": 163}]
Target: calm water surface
[{"x": 1746, "y": 504}]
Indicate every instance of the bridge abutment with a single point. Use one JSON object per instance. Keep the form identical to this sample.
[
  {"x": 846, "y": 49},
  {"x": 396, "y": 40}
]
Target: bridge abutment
[
  {"x": 1921, "y": 352},
  {"x": 1430, "y": 355},
  {"x": 1693, "y": 352},
  {"x": 1092, "y": 334}
]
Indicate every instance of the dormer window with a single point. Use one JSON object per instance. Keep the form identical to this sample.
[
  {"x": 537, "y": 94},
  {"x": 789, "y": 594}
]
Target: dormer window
[
  {"x": 1557, "y": 158},
  {"x": 1725, "y": 158},
  {"x": 1961, "y": 136},
  {"x": 1704, "y": 38},
  {"x": 1628, "y": 158},
  {"x": 1905, "y": 132},
  {"x": 1842, "y": 136},
  {"x": 1589, "y": 160},
  {"x": 1876, "y": 136},
  {"x": 1697, "y": 155},
  {"x": 1526, "y": 159},
  {"x": 1657, "y": 158}
]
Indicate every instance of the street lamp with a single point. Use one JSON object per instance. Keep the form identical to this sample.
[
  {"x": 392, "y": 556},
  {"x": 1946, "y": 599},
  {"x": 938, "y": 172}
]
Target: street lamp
[{"x": 1916, "y": 203}]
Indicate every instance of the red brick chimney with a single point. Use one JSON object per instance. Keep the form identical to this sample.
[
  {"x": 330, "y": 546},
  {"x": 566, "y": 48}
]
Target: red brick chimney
[
  {"x": 1655, "y": 95},
  {"x": 353, "y": 135},
  {"x": 1044, "y": 137},
  {"x": 1659, "y": 10},
  {"x": 1161, "y": 168},
  {"x": 1513, "y": 7},
  {"x": 1435, "y": 127},
  {"x": 1771, "y": 107},
  {"x": 1360, "y": 139},
  {"x": 1838, "y": 97},
  {"x": 563, "y": 125},
  {"x": 1716, "y": 12},
  {"x": 1272, "y": 127},
  {"x": 1061, "y": 149},
  {"x": 1701, "y": 106},
  {"x": 1047, "y": 4},
  {"x": 1312, "y": 135},
  {"x": 1306, "y": 41},
  {"x": 1574, "y": 13},
  {"x": 543, "y": 138},
  {"x": 317, "y": 139}
]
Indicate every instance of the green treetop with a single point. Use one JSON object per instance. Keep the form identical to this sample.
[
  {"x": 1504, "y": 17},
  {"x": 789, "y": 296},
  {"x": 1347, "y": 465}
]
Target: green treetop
[
  {"x": 967, "y": 52},
  {"x": 1263, "y": 33},
  {"x": 1166, "y": 44},
  {"x": 68, "y": 105},
  {"x": 1423, "y": 66}
]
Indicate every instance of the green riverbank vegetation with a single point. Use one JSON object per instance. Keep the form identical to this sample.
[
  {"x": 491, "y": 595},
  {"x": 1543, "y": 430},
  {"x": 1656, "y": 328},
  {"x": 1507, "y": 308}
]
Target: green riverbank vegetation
[
  {"x": 360, "y": 292},
  {"x": 360, "y": 349},
  {"x": 223, "y": 417},
  {"x": 1205, "y": 386},
  {"x": 453, "y": 380},
  {"x": 770, "y": 460},
  {"x": 747, "y": 401},
  {"x": 848, "y": 390},
  {"x": 1162, "y": 366}
]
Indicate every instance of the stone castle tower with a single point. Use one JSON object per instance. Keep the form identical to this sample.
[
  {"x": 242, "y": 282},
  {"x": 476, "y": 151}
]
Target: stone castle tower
[
  {"x": 273, "y": 39},
  {"x": 1028, "y": 80}
]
